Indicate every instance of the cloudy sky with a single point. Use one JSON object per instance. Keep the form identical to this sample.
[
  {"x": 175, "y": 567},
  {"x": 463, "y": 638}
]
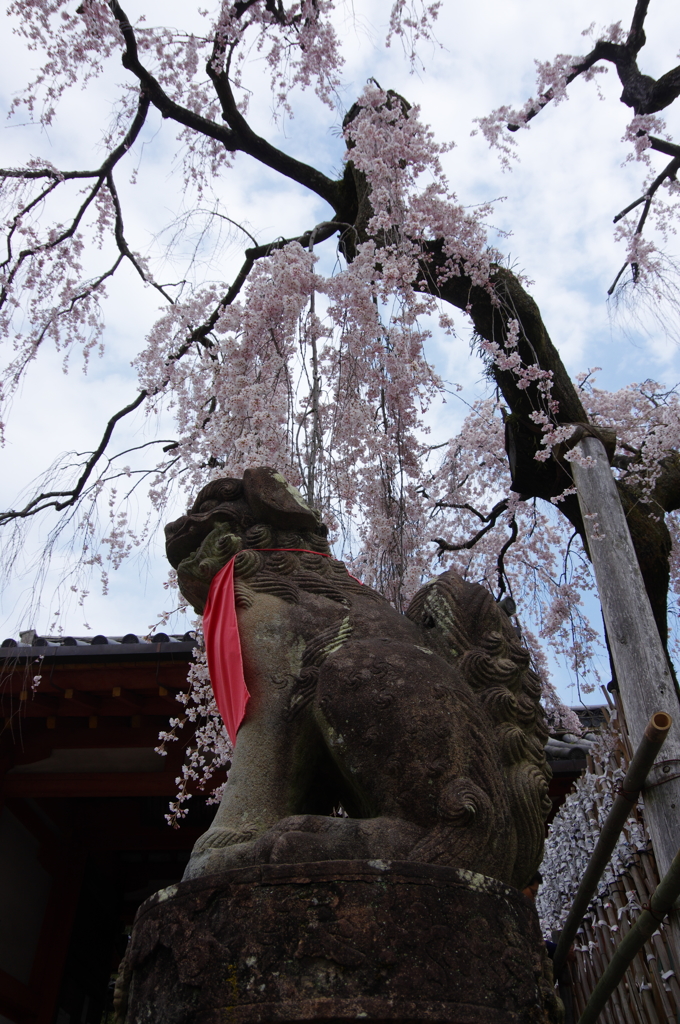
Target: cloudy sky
[{"x": 558, "y": 202}]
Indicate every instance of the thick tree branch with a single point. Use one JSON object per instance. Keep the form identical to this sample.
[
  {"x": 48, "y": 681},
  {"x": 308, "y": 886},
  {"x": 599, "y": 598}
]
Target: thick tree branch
[
  {"x": 490, "y": 519},
  {"x": 500, "y": 562},
  {"x": 643, "y": 93},
  {"x": 666, "y": 491},
  {"x": 157, "y": 95},
  {"x": 636, "y": 35},
  {"x": 490, "y": 310},
  {"x": 663, "y": 146},
  {"x": 238, "y": 136}
]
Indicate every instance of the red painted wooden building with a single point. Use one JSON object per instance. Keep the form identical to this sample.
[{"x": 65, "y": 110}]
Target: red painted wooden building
[{"x": 83, "y": 798}]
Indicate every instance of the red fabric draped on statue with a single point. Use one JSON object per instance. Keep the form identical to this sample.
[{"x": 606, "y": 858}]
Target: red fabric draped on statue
[
  {"x": 223, "y": 650},
  {"x": 223, "y": 645}
]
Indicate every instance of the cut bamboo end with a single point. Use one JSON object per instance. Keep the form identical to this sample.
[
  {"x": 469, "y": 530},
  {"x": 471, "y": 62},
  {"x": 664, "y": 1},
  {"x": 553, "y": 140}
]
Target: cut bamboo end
[{"x": 658, "y": 726}]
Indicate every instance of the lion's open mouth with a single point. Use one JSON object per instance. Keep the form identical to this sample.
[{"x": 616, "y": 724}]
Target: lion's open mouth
[{"x": 185, "y": 535}]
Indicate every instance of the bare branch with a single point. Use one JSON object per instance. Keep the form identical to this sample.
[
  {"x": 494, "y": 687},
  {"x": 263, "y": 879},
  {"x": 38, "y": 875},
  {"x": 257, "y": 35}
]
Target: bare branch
[
  {"x": 57, "y": 177},
  {"x": 669, "y": 172},
  {"x": 469, "y": 508},
  {"x": 84, "y": 293},
  {"x": 52, "y": 244},
  {"x": 238, "y": 136},
  {"x": 491, "y": 520},
  {"x": 49, "y": 499},
  {"x": 112, "y": 159},
  {"x": 597, "y": 53},
  {"x": 16, "y": 220},
  {"x": 612, "y": 286},
  {"x": 121, "y": 242}
]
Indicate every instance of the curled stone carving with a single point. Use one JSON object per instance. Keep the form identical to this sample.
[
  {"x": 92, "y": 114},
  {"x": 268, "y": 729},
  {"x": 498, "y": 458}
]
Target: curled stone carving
[
  {"x": 246, "y": 564},
  {"x": 424, "y": 727}
]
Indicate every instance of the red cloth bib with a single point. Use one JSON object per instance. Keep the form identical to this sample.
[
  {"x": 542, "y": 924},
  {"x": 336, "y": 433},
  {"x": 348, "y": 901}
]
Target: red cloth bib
[
  {"x": 223, "y": 646},
  {"x": 223, "y": 650}
]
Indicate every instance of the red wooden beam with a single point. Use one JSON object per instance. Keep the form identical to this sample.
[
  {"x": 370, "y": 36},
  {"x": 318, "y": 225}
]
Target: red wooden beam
[
  {"x": 99, "y": 678},
  {"x": 53, "y": 945}
]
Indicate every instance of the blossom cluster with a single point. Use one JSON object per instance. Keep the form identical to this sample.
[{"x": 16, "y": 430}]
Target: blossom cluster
[
  {"x": 210, "y": 749},
  {"x": 390, "y": 145},
  {"x": 661, "y": 194},
  {"x": 575, "y": 831}
]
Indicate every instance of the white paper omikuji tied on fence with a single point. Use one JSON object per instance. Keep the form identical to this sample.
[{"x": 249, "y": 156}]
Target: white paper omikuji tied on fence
[{"x": 642, "y": 671}]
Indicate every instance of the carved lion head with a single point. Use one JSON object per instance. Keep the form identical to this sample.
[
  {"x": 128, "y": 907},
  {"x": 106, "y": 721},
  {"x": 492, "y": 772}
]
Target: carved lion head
[{"x": 260, "y": 511}]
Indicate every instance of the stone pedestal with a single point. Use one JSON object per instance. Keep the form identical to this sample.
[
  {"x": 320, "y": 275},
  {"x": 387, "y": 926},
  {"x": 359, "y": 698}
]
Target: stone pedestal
[{"x": 338, "y": 941}]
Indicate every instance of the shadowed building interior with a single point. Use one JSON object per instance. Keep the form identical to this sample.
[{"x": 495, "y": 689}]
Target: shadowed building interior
[{"x": 83, "y": 835}]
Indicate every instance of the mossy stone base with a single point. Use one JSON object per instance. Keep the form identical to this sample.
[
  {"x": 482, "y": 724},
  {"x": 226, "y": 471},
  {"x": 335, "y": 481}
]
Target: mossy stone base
[{"x": 340, "y": 941}]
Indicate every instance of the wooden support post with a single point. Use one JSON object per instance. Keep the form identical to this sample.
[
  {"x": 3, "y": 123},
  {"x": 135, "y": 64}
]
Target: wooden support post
[{"x": 642, "y": 672}]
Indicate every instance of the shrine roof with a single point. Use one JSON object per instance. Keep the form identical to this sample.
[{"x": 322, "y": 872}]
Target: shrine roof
[{"x": 32, "y": 646}]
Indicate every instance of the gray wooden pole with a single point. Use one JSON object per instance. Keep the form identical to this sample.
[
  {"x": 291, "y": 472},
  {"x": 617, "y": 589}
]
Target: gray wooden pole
[{"x": 644, "y": 678}]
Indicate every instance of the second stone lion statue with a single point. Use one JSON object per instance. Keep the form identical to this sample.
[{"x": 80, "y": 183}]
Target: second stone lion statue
[{"x": 426, "y": 727}]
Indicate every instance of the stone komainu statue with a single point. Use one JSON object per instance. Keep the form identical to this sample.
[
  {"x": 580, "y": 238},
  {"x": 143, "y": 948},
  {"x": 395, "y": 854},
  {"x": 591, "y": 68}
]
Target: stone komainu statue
[{"x": 426, "y": 727}]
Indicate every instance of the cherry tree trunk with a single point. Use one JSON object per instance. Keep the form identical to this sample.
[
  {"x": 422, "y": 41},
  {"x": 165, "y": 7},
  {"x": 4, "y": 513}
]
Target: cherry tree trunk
[{"x": 642, "y": 671}]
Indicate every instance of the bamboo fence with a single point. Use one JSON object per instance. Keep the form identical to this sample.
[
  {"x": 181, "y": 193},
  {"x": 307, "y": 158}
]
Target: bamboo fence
[{"x": 650, "y": 990}]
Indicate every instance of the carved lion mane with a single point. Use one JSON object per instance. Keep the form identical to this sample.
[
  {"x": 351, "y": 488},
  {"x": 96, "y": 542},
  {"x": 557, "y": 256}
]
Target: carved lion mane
[{"x": 426, "y": 727}]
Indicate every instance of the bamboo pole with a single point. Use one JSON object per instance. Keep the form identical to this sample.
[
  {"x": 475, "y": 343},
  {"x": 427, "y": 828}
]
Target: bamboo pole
[
  {"x": 661, "y": 945},
  {"x": 600, "y": 963},
  {"x": 661, "y": 996},
  {"x": 608, "y": 950},
  {"x": 642, "y": 671},
  {"x": 641, "y": 883},
  {"x": 579, "y": 978},
  {"x": 652, "y": 740},
  {"x": 584, "y": 960},
  {"x": 649, "y": 870},
  {"x": 624, "y": 928},
  {"x": 647, "y": 923}
]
